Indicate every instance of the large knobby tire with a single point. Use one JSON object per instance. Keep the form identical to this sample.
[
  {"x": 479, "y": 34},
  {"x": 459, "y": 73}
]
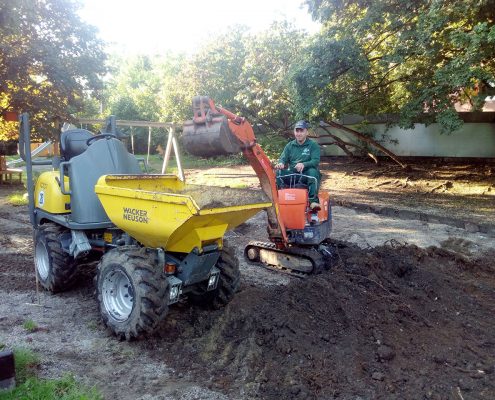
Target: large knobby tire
[
  {"x": 228, "y": 283},
  {"x": 55, "y": 269},
  {"x": 132, "y": 292}
]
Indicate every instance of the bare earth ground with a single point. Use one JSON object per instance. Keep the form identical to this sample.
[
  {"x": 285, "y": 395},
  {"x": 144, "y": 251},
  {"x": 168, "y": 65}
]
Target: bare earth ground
[{"x": 407, "y": 311}]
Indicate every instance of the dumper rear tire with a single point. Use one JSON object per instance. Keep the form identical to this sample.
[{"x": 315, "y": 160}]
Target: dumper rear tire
[
  {"x": 228, "y": 284},
  {"x": 132, "y": 292},
  {"x": 55, "y": 268}
]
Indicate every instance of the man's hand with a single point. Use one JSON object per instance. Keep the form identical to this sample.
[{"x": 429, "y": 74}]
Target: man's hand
[
  {"x": 279, "y": 166},
  {"x": 299, "y": 167}
]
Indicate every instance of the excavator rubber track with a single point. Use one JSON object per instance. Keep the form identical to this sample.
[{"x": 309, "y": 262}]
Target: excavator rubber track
[{"x": 296, "y": 261}]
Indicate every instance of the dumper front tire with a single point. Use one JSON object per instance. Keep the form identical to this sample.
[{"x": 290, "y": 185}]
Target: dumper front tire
[
  {"x": 228, "y": 284},
  {"x": 132, "y": 292},
  {"x": 55, "y": 268}
]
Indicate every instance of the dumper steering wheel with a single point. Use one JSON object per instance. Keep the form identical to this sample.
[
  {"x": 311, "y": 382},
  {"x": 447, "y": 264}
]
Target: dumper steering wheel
[{"x": 100, "y": 136}]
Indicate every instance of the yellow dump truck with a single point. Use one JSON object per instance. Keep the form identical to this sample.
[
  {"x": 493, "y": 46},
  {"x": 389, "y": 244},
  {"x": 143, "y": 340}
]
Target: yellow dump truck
[{"x": 158, "y": 238}]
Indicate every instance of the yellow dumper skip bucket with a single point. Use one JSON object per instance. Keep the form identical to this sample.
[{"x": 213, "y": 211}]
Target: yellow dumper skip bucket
[{"x": 162, "y": 211}]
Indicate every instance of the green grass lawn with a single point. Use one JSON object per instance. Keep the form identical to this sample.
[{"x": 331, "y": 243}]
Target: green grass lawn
[
  {"x": 189, "y": 162},
  {"x": 18, "y": 199},
  {"x": 31, "y": 387}
]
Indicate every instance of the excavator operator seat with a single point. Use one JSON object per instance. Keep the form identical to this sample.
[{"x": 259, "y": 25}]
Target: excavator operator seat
[
  {"x": 293, "y": 203},
  {"x": 73, "y": 143}
]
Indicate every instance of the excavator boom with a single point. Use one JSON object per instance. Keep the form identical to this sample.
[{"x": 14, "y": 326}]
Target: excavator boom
[{"x": 216, "y": 131}]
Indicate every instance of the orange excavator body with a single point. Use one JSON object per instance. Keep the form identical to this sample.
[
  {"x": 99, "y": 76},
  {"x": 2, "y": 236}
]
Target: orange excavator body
[{"x": 214, "y": 131}]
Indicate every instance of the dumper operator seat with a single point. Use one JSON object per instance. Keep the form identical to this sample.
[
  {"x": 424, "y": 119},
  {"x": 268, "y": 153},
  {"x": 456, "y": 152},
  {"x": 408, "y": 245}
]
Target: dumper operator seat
[
  {"x": 85, "y": 163},
  {"x": 73, "y": 143}
]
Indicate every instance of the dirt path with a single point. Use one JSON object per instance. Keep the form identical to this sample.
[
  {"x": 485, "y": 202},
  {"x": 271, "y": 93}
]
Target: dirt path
[
  {"x": 456, "y": 194},
  {"x": 405, "y": 313}
]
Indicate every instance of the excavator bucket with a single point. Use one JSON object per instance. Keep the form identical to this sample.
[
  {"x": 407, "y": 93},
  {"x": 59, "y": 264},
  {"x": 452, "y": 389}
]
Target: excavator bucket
[{"x": 208, "y": 133}]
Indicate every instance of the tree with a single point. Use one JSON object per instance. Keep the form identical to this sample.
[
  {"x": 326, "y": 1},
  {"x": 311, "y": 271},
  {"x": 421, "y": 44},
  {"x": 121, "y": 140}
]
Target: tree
[
  {"x": 265, "y": 90},
  {"x": 415, "y": 58},
  {"x": 49, "y": 59},
  {"x": 132, "y": 92},
  {"x": 213, "y": 71},
  {"x": 246, "y": 73}
]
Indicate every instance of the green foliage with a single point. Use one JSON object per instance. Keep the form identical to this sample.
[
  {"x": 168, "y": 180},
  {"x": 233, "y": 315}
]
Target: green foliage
[
  {"x": 18, "y": 199},
  {"x": 30, "y": 325},
  {"x": 48, "y": 59},
  {"x": 65, "y": 388},
  {"x": 132, "y": 93},
  {"x": 26, "y": 362},
  {"x": 273, "y": 145},
  {"x": 29, "y": 387},
  {"x": 265, "y": 79},
  {"x": 245, "y": 73},
  {"x": 214, "y": 71},
  {"x": 415, "y": 58}
]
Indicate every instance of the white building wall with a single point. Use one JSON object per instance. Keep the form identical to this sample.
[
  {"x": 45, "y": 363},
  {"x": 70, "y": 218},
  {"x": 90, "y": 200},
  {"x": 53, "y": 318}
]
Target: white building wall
[{"x": 472, "y": 140}]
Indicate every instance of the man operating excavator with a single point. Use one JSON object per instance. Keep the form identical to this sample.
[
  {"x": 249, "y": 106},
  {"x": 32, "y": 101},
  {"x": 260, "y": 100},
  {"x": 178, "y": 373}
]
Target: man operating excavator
[{"x": 301, "y": 155}]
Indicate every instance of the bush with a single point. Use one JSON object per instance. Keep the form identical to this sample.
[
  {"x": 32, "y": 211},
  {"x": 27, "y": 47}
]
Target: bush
[{"x": 272, "y": 144}]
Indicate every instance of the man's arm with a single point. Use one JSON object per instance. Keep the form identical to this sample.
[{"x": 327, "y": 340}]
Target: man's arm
[{"x": 284, "y": 158}]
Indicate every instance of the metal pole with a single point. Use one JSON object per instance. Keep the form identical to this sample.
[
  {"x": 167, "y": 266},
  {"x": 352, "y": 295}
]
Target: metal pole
[
  {"x": 132, "y": 139},
  {"x": 168, "y": 150},
  {"x": 25, "y": 136},
  {"x": 149, "y": 145},
  {"x": 177, "y": 158}
]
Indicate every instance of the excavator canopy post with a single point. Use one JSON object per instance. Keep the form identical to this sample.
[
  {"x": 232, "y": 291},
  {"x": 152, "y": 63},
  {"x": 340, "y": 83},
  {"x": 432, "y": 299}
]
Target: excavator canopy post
[{"x": 208, "y": 133}]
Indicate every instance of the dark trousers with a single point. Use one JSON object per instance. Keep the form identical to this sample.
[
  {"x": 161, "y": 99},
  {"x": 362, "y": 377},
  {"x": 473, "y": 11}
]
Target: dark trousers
[{"x": 312, "y": 184}]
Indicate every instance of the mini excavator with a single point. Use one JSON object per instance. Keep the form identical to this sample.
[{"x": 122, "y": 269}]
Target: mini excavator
[{"x": 298, "y": 235}]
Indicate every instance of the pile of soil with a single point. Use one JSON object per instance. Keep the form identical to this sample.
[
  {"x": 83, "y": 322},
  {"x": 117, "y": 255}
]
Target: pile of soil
[{"x": 390, "y": 322}]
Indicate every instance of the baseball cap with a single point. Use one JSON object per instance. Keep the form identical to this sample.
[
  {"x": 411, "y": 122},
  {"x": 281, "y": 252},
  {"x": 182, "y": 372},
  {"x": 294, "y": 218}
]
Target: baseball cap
[{"x": 301, "y": 124}]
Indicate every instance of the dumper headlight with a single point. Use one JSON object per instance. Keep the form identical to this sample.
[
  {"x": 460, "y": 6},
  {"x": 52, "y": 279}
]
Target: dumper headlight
[
  {"x": 175, "y": 286},
  {"x": 213, "y": 279},
  {"x": 174, "y": 292}
]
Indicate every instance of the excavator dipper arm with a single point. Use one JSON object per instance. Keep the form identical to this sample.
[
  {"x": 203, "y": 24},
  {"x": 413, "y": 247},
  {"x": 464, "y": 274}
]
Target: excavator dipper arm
[{"x": 209, "y": 118}]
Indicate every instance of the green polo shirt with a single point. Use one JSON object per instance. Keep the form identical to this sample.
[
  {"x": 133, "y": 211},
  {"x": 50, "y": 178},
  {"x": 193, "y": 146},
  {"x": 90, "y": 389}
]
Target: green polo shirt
[{"x": 307, "y": 153}]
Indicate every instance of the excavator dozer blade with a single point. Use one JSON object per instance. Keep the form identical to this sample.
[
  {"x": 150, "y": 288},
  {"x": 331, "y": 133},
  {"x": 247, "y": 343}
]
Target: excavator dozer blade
[{"x": 210, "y": 138}]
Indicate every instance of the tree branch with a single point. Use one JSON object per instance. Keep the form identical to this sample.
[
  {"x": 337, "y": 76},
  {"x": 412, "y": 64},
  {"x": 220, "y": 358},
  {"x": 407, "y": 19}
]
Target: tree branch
[
  {"x": 343, "y": 145},
  {"x": 246, "y": 111},
  {"x": 339, "y": 142},
  {"x": 366, "y": 139}
]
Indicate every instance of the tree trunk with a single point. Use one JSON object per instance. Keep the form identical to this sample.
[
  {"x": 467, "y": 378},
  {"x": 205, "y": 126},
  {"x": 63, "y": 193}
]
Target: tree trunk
[{"x": 366, "y": 139}]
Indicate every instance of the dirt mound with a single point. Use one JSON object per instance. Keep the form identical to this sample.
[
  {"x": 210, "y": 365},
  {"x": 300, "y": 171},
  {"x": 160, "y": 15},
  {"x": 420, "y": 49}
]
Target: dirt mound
[{"x": 390, "y": 322}]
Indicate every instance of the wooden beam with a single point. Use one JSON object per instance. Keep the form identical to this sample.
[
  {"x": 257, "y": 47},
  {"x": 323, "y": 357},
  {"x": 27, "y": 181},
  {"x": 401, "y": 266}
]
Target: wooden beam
[{"x": 123, "y": 122}]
